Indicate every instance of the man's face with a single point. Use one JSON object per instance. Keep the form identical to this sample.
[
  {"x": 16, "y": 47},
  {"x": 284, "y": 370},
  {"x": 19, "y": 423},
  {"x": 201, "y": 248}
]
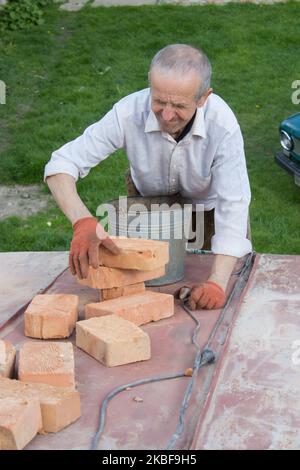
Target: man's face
[{"x": 173, "y": 100}]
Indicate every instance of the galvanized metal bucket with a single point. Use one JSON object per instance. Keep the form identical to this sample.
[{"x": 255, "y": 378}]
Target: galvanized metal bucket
[{"x": 165, "y": 218}]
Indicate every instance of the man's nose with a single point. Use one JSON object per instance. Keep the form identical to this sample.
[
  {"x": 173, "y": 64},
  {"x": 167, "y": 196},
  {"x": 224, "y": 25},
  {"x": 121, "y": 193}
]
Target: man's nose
[{"x": 168, "y": 113}]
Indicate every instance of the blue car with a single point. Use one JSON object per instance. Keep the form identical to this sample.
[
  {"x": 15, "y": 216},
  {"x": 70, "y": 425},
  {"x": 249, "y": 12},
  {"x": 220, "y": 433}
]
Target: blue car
[{"x": 289, "y": 156}]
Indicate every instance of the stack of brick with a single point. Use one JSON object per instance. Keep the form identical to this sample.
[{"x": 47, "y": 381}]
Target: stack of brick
[
  {"x": 44, "y": 398},
  {"x": 28, "y": 408},
  {"x": 139, "y": 260},
  {"x": 111, "y": 332}
]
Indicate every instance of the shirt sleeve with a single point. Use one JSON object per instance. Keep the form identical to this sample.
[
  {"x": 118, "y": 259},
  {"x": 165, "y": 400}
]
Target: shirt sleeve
[
  {"x": 231, "y": 184},
  {"x": 98, "y": 141}
]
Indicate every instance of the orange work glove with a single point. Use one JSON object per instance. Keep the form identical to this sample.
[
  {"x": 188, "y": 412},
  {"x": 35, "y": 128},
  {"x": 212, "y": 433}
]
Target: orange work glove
[
  {"x": 208, "y": 295},
  {"x": 84, "y": 252}
]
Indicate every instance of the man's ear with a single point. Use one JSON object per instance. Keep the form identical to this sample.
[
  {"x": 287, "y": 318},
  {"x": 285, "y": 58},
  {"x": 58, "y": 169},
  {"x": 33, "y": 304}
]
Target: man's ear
[{"x": 204, "y": 97}]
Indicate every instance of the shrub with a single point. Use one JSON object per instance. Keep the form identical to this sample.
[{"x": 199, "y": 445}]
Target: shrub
[{"x": 22, "y": 14}]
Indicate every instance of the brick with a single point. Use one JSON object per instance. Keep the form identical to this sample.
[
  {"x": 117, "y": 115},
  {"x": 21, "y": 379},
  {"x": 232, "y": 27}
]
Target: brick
[
  {"x": 59, "y": 406},
  {"x": 51, "y": 316},
  {"x": 20, "y": 420},
  {"x": 7, "y": 358},
  {"x": 138, "y": 308},
  {"x": 108, "y": 278},
  {"x": 115, "y": 292},
  {"x": 47, "y": 362},
  {"x": 112, "y": 340},
  {"x": 135, "y": 253}
]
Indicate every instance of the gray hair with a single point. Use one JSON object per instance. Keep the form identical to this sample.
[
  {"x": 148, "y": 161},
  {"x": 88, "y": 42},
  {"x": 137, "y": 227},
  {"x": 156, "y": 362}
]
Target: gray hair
[{"x": 182, "y": 59}]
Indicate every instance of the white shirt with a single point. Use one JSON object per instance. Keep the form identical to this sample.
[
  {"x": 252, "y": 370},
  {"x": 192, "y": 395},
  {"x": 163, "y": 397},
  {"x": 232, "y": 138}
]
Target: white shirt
[{"x": 207, "y": 165}]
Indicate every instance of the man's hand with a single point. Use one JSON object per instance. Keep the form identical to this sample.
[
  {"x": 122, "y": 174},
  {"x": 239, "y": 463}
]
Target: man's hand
[
  {"x": 84, "y": 251},
  {"x": 208, "y": 295}
]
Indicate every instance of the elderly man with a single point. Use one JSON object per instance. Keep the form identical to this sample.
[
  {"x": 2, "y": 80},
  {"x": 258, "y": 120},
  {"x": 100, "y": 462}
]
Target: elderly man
[{"x": 179, "y": 137}]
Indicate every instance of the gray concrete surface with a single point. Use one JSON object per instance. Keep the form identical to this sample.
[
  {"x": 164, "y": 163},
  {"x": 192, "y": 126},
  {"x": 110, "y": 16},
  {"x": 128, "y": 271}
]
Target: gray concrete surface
[{"x": 25, "y": 274}]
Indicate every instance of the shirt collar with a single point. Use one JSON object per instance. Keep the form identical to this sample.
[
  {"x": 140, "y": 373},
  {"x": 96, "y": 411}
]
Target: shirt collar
[
  {"x": 152, "y": 123},
  {"x": 198, "y": 127},
  {"x": 199, "y": 124}
]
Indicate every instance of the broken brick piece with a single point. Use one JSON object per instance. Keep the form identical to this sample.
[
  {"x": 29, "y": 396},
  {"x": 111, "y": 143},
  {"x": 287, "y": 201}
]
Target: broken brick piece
[
  {"x": 135, "y": 253},
  {"x": 60, "y": 407},
  {"x": 115, "y": 292},
  {"x": 47, "y": 362},
  {"x": 50, "y": 316},
  {"x": 107, "y": 278},
  {"x": 20, "y": 420},
  {"x": 138, "y": 308},
  {"x": 112, "y": 340},
  {"x": 7, "y": 358}
]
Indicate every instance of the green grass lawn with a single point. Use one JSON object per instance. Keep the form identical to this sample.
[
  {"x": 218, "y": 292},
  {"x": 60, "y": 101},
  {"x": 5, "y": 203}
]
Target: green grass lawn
[{"x": 67, "y": 73}]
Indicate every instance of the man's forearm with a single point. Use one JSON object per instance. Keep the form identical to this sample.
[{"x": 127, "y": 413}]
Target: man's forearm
[
  {"x": 222, "y": 269},
  {"x": 63, "y": 189}
]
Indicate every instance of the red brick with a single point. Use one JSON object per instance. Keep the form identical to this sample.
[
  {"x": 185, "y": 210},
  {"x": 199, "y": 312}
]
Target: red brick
[
  {"x": 112, "y": 340},
  {"x": 47, "y": 362},
  {"x": 115, "y": 292},
  {"x": 59, "y": 406},
  {"x": 107, "y": 278},
  {"x": 20, "y": 420},
  {"x": 51, "y": 316},
  {"x": 138, "y": 308},
  {"x": 136, "y": 253},
  {"x": 7, "y": 358}
]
